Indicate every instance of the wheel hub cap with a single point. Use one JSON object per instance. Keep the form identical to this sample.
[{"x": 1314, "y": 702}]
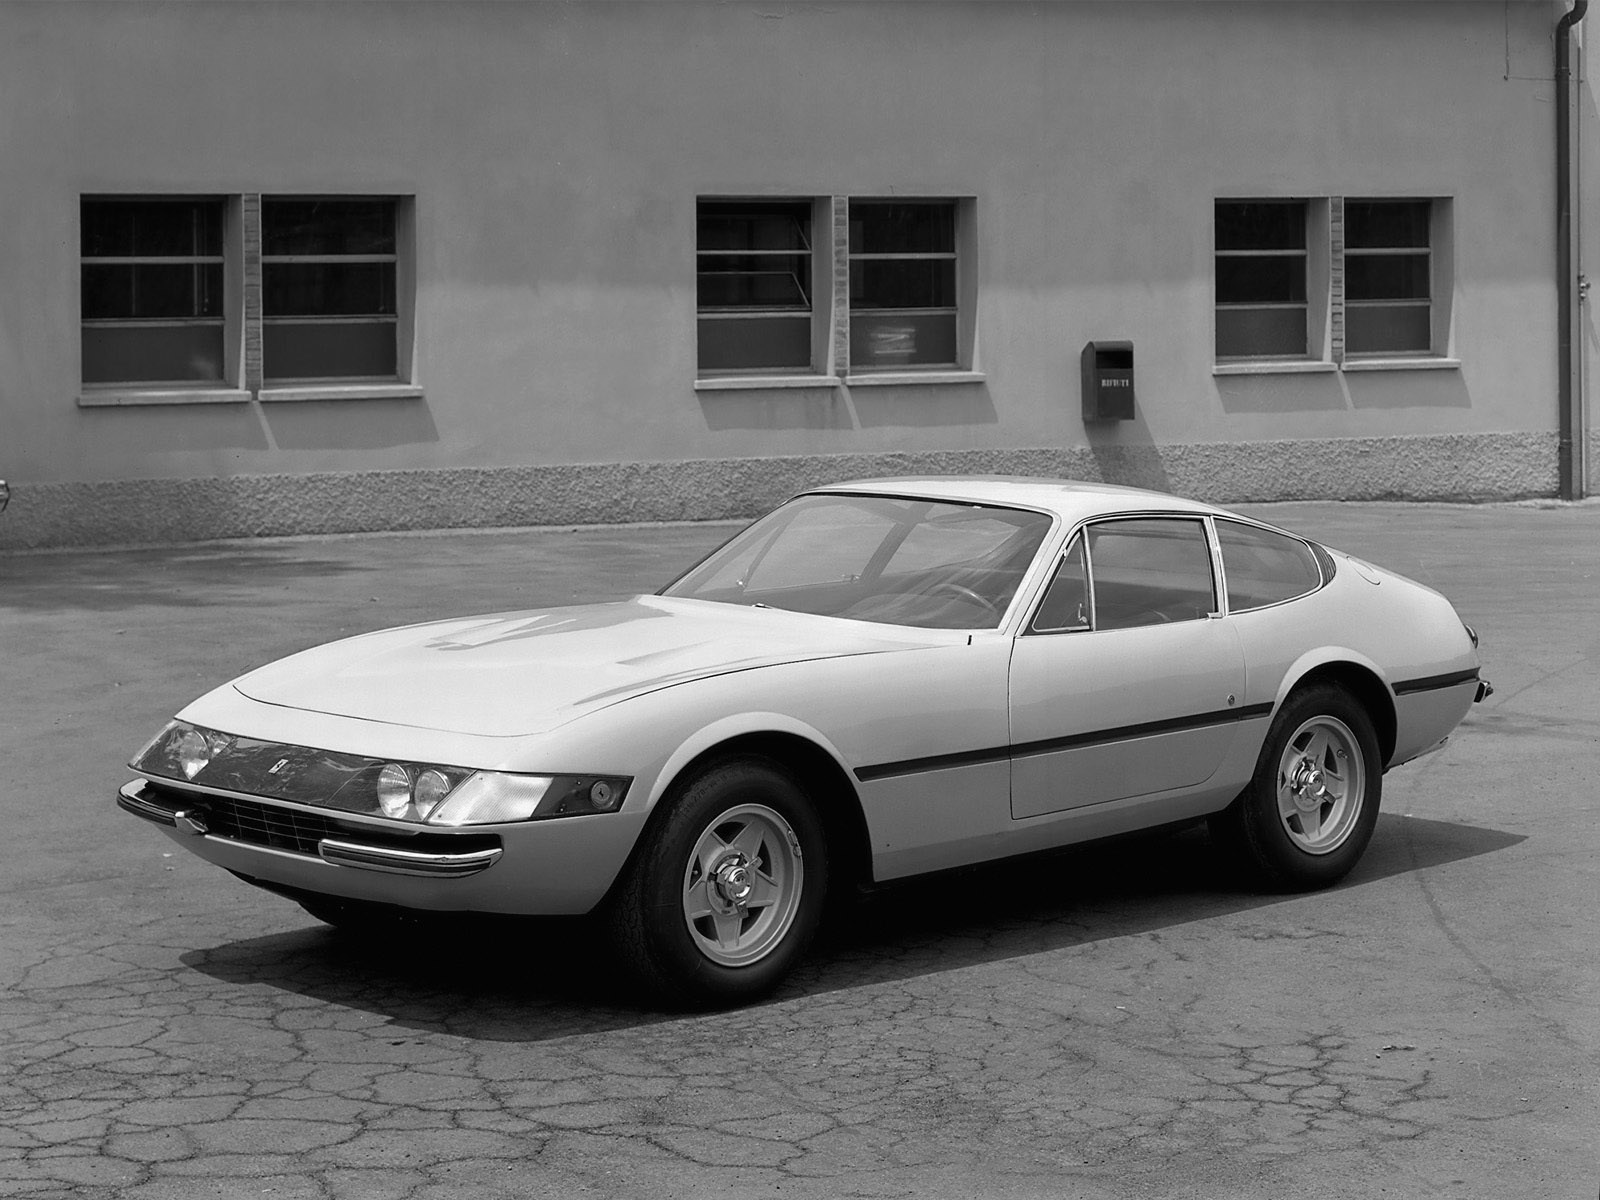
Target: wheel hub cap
[{"x": 732, "y": 881}]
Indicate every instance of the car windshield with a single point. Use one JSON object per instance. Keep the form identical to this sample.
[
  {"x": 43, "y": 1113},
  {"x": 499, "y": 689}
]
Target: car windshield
[{"x": 893, "y": 560}]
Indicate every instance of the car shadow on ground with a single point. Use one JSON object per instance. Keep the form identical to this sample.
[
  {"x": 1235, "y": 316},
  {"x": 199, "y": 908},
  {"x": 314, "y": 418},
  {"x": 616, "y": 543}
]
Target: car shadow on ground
[{"x": 530, "y": 981}]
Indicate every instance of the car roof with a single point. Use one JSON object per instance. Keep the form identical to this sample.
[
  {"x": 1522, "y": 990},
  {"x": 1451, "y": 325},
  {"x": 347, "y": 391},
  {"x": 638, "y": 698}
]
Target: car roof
[{"x": 1072, "y": 499}]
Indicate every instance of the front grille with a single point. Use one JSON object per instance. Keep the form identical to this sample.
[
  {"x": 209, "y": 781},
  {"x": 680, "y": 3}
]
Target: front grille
[{"x": 263, "y": 825}]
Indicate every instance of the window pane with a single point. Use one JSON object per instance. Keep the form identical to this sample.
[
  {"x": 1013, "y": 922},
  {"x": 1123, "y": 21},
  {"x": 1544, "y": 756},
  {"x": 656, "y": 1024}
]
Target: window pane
[
  {"x": 1387, "y": 276},
  {"x": 1386, "y": 224},
  {"x": 1388, "y": 329},
  {"x": 151, "y": 228},
  {"x": 769, "y": 281},
  {"x": 1261, "y": 333},
  {"x": 338, "y": 349},
  {"x": 1261, "y": 225},
  {"x": 902, "y": 228},
  {"x": 903, "y": 283},
  {"x": 315, "y": 227},
  {"x": 1252, "y": 280},
  {"x": 133, "y": 291},
  {"x": 750, "y": 226},
  {"x": 1149, "y": 573},
  {"x": 1264, "y": 567},
  {"x": 1066, "y": 604},
  {"x": 140, "y": 354},
  {"x": 755, "y": 343},
  {"x": 328, "y": 289},
  {"x": 890, "y": 342}
]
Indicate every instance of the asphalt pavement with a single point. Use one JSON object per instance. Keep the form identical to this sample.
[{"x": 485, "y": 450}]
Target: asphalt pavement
[{"x": 1120, "y": 1021}]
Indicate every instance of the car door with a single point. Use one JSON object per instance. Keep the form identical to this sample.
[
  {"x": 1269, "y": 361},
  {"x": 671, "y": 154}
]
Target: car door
[{"x": 1126, "y": 680}]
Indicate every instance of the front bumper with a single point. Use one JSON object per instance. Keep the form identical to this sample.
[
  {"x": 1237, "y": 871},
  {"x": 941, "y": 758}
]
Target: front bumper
[{"x": 558, "y": 867}]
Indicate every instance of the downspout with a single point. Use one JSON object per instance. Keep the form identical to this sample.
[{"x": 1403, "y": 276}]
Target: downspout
[{"x": 1567, "y": 397}]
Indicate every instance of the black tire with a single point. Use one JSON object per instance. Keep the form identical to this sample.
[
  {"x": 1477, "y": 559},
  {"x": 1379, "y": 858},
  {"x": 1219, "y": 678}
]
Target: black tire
[
  {"x": 741, "y": 841},
  {"x": 1309, "y": 810}
]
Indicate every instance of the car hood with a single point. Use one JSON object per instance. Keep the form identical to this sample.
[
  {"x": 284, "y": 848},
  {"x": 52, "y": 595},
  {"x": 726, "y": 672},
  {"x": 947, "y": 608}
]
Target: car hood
[{"x": 520, "y": 673}]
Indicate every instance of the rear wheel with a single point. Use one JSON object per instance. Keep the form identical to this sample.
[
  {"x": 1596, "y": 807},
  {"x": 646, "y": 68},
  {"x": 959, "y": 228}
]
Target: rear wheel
[
  {"x": 727, "y": 889},
  {"x": 1312, "y": 804}
]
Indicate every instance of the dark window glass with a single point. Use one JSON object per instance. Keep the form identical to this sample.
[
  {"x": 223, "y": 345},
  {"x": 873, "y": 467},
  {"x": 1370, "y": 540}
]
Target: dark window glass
[
  {"x": 1386, "y": 224},
  {"x": 151, "y": 228},
  {"x": 1261, "y": 225},
  {"x": 323, "y": 227},
  {"x": 1264, "y": 567},
  {"x": 1387, "y": 277},
  {"x": 1066, "y": 603},
  {"x": 1388, "y": 267},
  {"x": 329, "y": 288},
  {"x": 753, "y": 285},
  {"x": 1261, "y": 280},
  {"x": 902, "y": 228},
  {"x": 151, "y": 287},
  {"x": 903, "y": 283},
  {"x": 1150, "y": 572},
  {"x": 1261, "y": 265}
]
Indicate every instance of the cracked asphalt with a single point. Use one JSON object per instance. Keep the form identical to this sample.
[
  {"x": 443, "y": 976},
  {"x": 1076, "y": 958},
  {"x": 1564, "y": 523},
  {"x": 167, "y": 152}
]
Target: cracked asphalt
[{"x": 1117, "y": 1021}]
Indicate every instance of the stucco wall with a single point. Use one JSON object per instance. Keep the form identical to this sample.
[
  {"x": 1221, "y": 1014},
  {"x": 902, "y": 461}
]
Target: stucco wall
[{"x": 556, "y": 151}]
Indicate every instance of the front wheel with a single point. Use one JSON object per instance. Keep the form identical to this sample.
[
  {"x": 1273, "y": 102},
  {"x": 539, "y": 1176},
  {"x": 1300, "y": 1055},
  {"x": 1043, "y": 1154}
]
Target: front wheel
[
  {"x": 1312, "y": 804},
  {"x": 727, "y": 889}
]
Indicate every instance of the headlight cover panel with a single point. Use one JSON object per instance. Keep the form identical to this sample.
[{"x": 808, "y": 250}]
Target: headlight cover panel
[{"x": 347, "y": 782}]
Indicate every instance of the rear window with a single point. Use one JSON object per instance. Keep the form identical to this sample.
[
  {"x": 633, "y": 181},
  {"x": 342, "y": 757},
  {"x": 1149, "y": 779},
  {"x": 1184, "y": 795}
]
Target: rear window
[{"x": 1265, "y": 567}]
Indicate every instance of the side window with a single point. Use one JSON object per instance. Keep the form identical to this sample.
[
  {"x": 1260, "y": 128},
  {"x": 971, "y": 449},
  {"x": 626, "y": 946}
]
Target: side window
[
  {"x": 754, "y": 299},
  {"x": 1150, "y": 571},
  {"x": 1066, "y": 601},
  {"x": 1263, "y": 567}
]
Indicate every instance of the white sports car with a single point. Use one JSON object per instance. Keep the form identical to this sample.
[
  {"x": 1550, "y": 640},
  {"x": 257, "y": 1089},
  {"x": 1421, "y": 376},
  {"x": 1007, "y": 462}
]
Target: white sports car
[{"x": 875, "y": 680}]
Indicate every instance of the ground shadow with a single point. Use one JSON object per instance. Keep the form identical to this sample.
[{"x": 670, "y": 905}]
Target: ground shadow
[{"x": 533, "y": 981}]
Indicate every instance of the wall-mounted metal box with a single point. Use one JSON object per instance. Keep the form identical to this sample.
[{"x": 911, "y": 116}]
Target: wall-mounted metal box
[{"x": 1108, "y": 381}]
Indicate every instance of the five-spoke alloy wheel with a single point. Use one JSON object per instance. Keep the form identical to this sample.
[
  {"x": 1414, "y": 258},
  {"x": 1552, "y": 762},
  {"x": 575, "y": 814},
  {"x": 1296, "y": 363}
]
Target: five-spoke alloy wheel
[
  {"x": 727, "y": 888},
  {"x": 1312, "y": 804}
]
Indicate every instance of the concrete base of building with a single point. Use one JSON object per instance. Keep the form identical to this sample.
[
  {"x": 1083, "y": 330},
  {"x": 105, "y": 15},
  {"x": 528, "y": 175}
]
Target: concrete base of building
[{"x": 1460, "y": 467}]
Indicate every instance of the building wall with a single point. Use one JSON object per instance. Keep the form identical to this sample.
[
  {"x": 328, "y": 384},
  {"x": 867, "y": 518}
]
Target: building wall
[{"x": 555, "y": 153}]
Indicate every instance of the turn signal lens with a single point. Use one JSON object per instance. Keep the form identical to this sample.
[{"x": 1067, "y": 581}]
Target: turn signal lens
[
  {"x": 490, "y": 798},
  {"x": 193, "y": 752}
]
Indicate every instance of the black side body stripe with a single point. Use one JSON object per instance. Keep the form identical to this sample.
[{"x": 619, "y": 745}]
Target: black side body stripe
[
  {"x": 963, "y": 758},
  {"x": 1433, "y": 683}
]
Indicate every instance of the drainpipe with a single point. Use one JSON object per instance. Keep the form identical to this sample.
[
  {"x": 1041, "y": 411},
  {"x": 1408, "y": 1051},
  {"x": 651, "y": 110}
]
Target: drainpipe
[{"x": 1567, "y": 398}]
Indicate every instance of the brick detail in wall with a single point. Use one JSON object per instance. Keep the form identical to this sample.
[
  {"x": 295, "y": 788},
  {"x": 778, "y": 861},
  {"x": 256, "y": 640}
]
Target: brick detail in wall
[
  {"x": 1336, "y": 277},
  {"x": 841, "y": 285},
  {"x": 251, "y": 209}
]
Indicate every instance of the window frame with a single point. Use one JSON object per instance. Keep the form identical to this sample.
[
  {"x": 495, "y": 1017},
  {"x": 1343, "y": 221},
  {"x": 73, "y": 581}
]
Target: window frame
[
  {"x": 1440, "y": 255},
  {"x": 815, "y": 309},
  {"x": 1326, "y": 289},
  {"x": 1324, "y": 576},
  {"x": 953, "y": 256},
  {"x": 227, "y": 385},
  {"x": 243, "y": 321},
  {"x": 1082, "y": 531}
]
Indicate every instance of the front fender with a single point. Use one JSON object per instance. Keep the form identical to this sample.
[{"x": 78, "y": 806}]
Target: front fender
[{"x": 726, "y": 729}]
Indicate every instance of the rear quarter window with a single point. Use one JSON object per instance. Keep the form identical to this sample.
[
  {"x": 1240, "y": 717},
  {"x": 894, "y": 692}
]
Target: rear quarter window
[{"x": 1264, "y": 567}]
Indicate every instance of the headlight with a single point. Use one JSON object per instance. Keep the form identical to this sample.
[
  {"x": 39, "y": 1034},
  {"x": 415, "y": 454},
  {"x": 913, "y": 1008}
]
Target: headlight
[{"x": 421, "y": 793}]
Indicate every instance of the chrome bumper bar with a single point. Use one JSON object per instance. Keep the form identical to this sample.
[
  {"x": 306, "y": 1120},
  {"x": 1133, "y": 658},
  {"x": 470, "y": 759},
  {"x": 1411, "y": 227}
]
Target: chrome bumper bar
[{"x": 334, "y": 851}]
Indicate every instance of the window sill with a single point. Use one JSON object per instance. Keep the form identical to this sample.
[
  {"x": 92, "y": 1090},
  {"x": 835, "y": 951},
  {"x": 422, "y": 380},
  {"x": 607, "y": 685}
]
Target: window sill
[
  {"x": 127, "y": 397},
  {"x": 339, "y": 391},
  {"x": 1284, "y": 366},
  {"x": 911, "y": 378},
  {"x": 752, "y": 383},
  {"x": 1402, "y": 364}
]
